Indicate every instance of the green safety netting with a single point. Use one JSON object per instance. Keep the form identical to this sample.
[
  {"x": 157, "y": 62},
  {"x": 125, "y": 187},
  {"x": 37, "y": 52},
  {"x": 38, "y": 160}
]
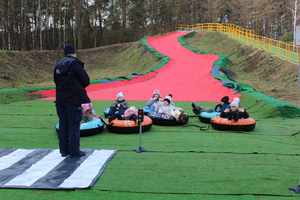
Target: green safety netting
[{"x": 221, "y": 66}]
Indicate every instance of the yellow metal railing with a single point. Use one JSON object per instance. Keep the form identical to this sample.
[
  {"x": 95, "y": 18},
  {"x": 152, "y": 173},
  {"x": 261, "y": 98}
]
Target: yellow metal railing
[{"x": 283, "y": 50}]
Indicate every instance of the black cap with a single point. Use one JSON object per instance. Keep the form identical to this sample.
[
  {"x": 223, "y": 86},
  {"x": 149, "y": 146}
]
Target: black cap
[
  {"x": 225, "y": 99},
  {"x": 68, "y": 49}
]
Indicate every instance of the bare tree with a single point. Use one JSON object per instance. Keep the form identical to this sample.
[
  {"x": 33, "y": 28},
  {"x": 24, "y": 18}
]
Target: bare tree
[{"x": 47, "y": 24}]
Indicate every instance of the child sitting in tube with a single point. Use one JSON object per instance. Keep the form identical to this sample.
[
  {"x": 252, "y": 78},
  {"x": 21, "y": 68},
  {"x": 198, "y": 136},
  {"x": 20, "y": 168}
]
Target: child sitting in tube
[
  {"x": 171, "y": 98},
  {"x": 234, "y": 112},
  {"x": 88, "y": 113},
  {"x": 152, "y": 105},
  {"x": 221, "y": 107},
  {"x": 131, "y": 113},
  {"x": 165, "y": 109},
  {"x": 119, "y": 107}
]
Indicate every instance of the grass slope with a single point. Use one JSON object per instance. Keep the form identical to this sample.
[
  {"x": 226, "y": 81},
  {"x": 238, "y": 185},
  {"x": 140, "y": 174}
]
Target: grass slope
[
  {"x": 255, "y": 67},
  {"x": 34, "y": 68}
]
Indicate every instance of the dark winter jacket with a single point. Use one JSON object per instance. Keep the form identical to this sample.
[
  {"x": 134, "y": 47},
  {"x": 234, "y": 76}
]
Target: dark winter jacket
[
  {"x": 235, "y": 115},
  {"x": 222, "y": 107},
  {"x": 118, "y": 109},
  {"x": 71, "y": 80}
]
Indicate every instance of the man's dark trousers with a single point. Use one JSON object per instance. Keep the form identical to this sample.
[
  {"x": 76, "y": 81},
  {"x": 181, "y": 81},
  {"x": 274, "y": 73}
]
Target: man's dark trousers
[{"x": 69, "y": 128}]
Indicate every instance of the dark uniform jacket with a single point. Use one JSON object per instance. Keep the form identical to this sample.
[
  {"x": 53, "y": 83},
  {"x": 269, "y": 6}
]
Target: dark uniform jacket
[{"x": 71, "y": 80}]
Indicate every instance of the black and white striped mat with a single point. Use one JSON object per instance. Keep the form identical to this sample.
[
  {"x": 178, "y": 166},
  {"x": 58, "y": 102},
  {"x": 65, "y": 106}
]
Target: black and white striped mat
[{"x": 46, "y": 169}]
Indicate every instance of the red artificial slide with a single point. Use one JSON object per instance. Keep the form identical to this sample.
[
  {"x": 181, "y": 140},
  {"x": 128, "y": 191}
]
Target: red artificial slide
[{"x": 187, "y": 76}]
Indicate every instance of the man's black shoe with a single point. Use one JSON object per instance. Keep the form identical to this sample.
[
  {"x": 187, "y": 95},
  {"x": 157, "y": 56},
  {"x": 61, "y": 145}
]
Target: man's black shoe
[
  {"x": 295, "y": 189},
  {"x": 196, "y": 109},
  {"x": 193, "y": 105},
  {"x": 79, "y": 154},
  {"x": 64, "y": 154}
]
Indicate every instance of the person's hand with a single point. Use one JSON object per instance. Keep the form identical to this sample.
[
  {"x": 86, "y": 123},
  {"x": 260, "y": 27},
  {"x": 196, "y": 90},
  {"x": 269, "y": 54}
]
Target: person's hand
[{"x": 86, "y": 107}]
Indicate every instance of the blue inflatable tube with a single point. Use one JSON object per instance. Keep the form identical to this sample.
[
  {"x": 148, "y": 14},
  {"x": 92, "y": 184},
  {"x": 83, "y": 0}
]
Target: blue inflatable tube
[
  {"x": 206, "y": 117},
  {"x": 89, "y": 128},
  {"x": 147, "y": 110}
]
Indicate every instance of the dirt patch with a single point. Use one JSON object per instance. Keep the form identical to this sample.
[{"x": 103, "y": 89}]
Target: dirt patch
[
  {"x": 261, "y": 70},
  {"x": 17, "y": 68},
  {"x": 34, "y": 68}
]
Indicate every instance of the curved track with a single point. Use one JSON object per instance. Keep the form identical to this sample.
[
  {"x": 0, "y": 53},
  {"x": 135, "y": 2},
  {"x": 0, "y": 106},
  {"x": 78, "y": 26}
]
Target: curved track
[{"x": 187, "y": 76}]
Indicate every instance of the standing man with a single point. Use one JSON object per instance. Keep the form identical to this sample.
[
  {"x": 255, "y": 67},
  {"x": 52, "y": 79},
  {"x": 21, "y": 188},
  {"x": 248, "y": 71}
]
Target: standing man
[{"x": 71, "y": 80}]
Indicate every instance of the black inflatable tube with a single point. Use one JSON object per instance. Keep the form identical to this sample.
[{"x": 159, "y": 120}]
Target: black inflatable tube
[
  {"x": 246, "y": 128},
  {"x": 166, "y": 122},
  {"x": 88, "y": 132}
]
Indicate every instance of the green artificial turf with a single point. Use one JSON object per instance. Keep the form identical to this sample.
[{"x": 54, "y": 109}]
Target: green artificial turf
[
  {"x": 187, "y": 162},
  {"x": 182, "y": 162}
]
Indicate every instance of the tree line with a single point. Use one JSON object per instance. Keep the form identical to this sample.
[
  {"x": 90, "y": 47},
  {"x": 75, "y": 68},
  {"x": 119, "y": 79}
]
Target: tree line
[{"x": 48, "y": 24}]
